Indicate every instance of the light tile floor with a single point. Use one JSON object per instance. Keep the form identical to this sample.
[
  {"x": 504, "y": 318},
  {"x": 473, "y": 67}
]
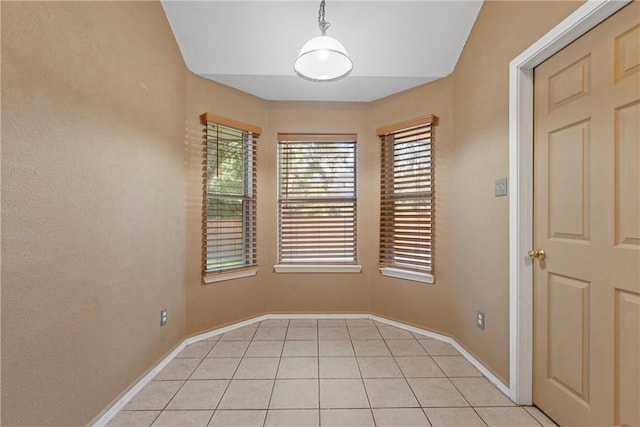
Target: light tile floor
[{"x": 327, "y": 372}]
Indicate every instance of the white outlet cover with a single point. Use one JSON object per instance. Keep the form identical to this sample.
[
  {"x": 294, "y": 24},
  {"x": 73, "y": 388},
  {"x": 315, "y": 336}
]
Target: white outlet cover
[{"x": 480, "y": 320}]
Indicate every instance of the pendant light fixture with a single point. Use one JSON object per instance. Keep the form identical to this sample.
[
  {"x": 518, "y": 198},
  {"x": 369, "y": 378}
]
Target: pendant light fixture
[{"x": 323, "y": 58}]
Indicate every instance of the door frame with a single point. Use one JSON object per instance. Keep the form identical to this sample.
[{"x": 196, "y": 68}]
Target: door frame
[{"x": 521, "y": 68}]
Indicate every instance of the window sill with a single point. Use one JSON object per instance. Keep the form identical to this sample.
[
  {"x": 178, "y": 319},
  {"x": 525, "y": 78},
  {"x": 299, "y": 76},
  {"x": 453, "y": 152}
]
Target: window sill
[
  {"x": 317, "y": 268},
  {"x": 230, "y": 276},
  {"x": 407, "y": 274}
]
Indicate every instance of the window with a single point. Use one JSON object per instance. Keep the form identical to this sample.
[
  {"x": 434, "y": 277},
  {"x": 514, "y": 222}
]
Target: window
[
  {"x": 317, "y": 200},
  {"x": 229, "y": 217},
  {"x": 406, "y": 205}
]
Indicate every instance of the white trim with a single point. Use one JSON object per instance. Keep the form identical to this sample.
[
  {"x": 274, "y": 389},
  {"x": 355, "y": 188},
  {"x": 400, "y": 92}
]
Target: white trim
[
  {"x": 504, "y": 388},
  {"x": 104, "y": 419},
  {"x": 320, "y": 316},
  {"x": 479, "y": 366},
  {"x": 407, "y": 274},
  {"x": 109, "y": 414},
  {"x": 413, "y": 329},
  {"x": 521, "y": 68},
  {"x": 317, "y": 268},
  {"x": 231, "y": 275},
  {"x": 214, "y": 333},
  {"x": 520, "y": 219}
]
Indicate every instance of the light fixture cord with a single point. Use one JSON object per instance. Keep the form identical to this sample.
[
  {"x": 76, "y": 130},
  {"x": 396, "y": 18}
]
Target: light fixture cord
[{"x": 321, "y": 21}]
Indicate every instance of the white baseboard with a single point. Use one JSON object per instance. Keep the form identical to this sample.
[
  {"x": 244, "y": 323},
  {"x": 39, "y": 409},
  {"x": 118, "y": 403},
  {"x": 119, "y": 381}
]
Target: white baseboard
[
  {"x": 479, "y": 366},
  {"x": 504, "y": 388},
  {"x": 225, "y": 329},
  {"x": 104, "y": 420},
  {"x": 109, "y": 414}
]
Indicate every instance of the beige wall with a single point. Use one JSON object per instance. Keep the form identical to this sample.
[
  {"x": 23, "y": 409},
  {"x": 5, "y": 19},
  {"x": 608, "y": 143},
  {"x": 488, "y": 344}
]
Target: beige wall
[
  {"x": 93, "y": 215},
  {"x": 479, "y": 221},
  {"x": 217, "y": 304},
  {"x": 324, "y": 293},
  {"x": 220, "y": 303},
  {"x": 420, "y": 304},
  {"x": 101, "y": 196}
]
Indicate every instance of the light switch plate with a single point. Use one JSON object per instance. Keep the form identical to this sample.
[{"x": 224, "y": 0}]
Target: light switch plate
[{"x": 500, "y": 187}]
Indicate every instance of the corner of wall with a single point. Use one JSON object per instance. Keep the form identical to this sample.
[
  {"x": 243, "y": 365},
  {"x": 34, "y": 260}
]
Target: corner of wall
[
  {"x": 480, "y": 221},
  {"x": 423, "y": 305},
  {"x": 92, "y": 166},
  {"x": 222, "y": 303}
]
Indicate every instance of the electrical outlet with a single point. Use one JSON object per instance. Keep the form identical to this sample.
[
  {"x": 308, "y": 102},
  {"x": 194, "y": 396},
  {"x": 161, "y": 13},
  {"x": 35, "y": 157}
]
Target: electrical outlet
[
  {"x": 480, "y": 320},
  {"x": 500, "y": 187},
  {"x": 163, "y": 317}
]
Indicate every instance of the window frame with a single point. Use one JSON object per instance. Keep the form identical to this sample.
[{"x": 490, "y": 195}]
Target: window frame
[
  {"x": 315, "y": 264},
  {"x": 250, "y": 136},
  {"x": 389, "y": 196}
]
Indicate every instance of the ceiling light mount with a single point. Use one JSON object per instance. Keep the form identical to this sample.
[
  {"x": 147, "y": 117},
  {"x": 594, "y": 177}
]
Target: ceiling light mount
[
  {"x": 323, "y": 58},
  {"x": 322, "y": 23}
]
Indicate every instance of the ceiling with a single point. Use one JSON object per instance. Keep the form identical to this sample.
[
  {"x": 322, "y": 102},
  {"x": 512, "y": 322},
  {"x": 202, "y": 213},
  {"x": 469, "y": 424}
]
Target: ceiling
[{"x": 251, "y": 45}]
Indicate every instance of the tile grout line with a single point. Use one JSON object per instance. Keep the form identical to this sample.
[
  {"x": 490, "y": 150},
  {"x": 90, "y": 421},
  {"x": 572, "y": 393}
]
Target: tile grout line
[
  {"x": 360, "y": 370},
  {"x": 191, "y": 374},
  {"x": 318, "y": 346},
  {"x": 234, "y": 371},
  {"x": 423, "y": 335},
  {"x": 536, "y": 418},
  {"x": 160, "y": 411},
  {"x": 387, "y": 342},
  {"x": 466, "y": 400},
  {"x": 452, "y": 383},
  {"x": 439, "y": 367},
  {"x": 402, "y": 372},
  {"x": 405, "y": 377},
  {"x": 275, "y": 378}
]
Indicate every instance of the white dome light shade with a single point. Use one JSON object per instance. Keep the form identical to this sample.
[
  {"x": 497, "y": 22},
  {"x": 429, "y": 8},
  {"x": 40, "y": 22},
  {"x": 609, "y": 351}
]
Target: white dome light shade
[{"x": 323, "y": 59}]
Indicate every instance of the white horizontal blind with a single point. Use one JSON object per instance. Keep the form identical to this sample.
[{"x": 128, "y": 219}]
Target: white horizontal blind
[
  {"x": 317, "y": 198},
  {"x": 230, "y": 198},
  {"x": 406, "y": 212}
]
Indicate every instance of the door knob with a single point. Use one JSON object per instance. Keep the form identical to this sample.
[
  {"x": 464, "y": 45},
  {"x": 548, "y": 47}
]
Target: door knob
[{"x": 537, "y": 254}]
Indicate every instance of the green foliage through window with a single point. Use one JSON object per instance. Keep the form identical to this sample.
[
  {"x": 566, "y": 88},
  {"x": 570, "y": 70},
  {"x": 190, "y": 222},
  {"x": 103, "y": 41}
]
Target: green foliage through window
[
  {"x": 317, "y": 198},
  {"x": 230, "y": 198}
]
